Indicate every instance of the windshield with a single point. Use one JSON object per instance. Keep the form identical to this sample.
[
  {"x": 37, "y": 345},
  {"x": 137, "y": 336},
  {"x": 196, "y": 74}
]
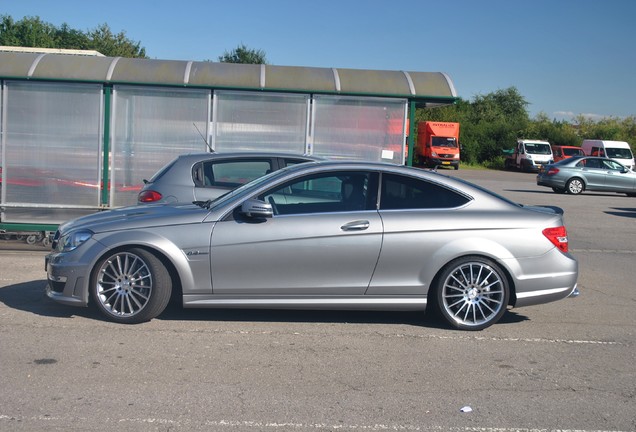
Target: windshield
[
  {"x": 573, "y": 152},
  {"x": 443, "y": 142},
  {"x": 618, "y": 153},
  {"x": 538, "y": 148}
]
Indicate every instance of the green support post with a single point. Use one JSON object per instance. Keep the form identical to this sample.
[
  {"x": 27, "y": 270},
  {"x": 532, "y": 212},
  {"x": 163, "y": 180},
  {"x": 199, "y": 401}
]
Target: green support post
[{"x": 108, "y": 93}]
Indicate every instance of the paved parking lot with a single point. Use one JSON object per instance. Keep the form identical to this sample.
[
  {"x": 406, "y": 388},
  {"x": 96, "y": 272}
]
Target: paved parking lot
[{"x": 569, "y": 365}]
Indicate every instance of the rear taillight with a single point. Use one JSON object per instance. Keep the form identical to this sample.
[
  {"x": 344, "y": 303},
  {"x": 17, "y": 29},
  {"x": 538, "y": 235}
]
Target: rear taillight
[
  {"x": 558, "y": 236},
  {"x": 552, "y": 171},
  {"x": 148, "y": 196}
]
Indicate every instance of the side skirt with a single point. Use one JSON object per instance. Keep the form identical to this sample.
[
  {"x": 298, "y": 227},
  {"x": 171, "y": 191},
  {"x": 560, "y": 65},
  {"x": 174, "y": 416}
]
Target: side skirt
[{"x": 316, "y": 303}]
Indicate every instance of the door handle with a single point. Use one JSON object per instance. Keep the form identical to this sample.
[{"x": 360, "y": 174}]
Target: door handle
[{"x": 359, "y": 225}]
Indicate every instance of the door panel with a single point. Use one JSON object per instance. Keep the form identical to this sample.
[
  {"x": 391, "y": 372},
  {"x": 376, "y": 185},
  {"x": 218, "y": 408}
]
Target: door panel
[{"x": 307, "y": 254}]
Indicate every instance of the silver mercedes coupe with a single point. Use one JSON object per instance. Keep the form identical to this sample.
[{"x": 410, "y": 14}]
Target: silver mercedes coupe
[{"x": 320, "y": 235}]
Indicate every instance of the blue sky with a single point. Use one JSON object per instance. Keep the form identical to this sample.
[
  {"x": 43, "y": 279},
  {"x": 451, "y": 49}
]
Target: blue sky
[{"x": 566, "y": 57}]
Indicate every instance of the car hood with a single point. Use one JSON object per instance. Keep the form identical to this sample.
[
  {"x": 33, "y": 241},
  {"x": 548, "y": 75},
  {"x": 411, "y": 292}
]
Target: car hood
[{"x": 139, "y": 216}]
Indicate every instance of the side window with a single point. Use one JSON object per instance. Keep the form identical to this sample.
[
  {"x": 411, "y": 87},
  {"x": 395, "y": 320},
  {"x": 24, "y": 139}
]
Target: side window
[
  {"x": 402, "y": 192},
  {"x": 610, "y": 164},
  {"x": 325, "y": 193},
  {"x": 592, "y": 163},
  {"x": 229, "y": 174}
]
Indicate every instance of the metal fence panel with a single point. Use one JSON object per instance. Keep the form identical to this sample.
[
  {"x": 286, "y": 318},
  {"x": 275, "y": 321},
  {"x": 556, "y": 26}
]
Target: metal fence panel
[
  {"x": 150, "y": 127},
  {"x": 50, "y": 151},
  {"x": 260, "y": 121},
  {"x": 361, "y": 128}
]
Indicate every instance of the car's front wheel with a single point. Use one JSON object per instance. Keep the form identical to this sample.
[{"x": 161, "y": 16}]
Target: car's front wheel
[
  {"x": 575, "y": 186},
  {"x": 472, "y": 293},
  {"x": 131, "y": 286}
]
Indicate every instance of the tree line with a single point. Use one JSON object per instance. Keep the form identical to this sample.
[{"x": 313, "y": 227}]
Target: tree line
[
  {"x": 493, "y": 122},
  {"x": 489, "y": 123}
]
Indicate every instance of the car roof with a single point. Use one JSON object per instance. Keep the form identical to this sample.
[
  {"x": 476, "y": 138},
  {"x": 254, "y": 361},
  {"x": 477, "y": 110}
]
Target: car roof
[{"x": 195, "y": 157}]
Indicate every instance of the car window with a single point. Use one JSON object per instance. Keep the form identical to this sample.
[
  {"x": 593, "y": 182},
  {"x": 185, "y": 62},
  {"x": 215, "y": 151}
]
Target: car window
[
  {"x": 573, "y": 152},
  {"x": 619, "y": 153},
  {"x": 612, "y": 165},
  {"x": 229, "y": 174},
  {"x": 589, "y": 163},
  {"x": 402, "y": 192},
  {"x": 340, "y": 191}
]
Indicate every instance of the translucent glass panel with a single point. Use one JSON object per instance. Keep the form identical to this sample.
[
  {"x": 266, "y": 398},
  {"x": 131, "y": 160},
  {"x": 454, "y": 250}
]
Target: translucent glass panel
[
  {"x": 51, "y": 148},
  {"x": 260, "y": 122},
  {"x": 359, "y": 128},
  {"x": 150, "y": 127}
]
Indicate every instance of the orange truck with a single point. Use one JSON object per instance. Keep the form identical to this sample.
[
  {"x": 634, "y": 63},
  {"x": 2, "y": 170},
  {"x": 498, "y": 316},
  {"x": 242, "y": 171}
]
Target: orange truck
[{"x": 437, "y": 144}]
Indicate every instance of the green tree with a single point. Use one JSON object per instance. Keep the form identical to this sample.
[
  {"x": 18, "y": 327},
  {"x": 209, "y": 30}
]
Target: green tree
[
  {"x": 103, "y": 40},
  {"x": 245, "y": 55},
  {"x": 489, "y": 124},
  {"x": 33, "y": 32}
]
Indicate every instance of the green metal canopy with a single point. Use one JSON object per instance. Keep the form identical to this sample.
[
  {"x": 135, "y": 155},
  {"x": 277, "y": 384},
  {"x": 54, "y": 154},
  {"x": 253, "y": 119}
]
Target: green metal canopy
[{"x": 422, "y": 87}]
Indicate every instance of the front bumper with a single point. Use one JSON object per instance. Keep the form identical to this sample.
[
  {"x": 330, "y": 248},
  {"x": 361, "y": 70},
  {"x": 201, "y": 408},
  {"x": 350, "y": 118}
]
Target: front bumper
[{"x": 67, "y": 280}]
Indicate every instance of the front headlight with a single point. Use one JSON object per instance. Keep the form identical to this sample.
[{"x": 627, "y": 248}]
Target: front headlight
[{"x": 73, "y": 239}]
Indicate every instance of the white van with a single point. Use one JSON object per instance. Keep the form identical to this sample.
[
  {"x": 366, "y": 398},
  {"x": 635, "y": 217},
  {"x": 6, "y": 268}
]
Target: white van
[{"x": 616, "y": 150}]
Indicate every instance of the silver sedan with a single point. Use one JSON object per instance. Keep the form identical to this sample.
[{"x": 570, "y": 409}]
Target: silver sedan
[
  {"x": 321, "y": 235},
  {"x": 203, "y": 176},
  {"x": 578, "y": 174}
]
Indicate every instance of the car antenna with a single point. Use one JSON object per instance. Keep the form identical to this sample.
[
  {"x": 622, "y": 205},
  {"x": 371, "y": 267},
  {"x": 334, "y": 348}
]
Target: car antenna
[{"x": 202, "y": 137}]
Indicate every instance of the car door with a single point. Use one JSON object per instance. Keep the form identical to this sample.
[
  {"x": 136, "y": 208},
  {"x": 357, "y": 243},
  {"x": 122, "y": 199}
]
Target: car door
[
  {"x": 617, "y": 178},
  {"x": 419, "y": 217},
  {"x": 592, "y": 170},
  {"x": 324, "y": 239}
]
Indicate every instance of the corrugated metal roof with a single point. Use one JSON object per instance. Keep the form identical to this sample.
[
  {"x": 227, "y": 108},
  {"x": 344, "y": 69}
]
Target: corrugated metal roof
[{"x": 419, "y": 86}]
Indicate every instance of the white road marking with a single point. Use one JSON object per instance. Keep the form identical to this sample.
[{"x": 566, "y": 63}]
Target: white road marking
[{"x": 277, "y": 425}]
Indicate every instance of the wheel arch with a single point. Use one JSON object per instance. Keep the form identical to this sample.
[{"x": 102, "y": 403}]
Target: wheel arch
[
  {"x": 478, "y": 248},
  {"x": 167, "y": 252},
  {"x": 177, "y": 289}
]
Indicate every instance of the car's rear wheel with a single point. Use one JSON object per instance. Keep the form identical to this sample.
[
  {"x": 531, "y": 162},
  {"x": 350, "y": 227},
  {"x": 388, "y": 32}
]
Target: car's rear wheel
[
  {"x": 575, "y": 186},
  {"x": 131, "y": 286},
  {"x": 472, "y": 293}
]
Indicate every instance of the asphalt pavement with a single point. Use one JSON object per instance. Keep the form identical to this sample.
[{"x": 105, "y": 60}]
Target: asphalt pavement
[{"x": 568, "y": 365}]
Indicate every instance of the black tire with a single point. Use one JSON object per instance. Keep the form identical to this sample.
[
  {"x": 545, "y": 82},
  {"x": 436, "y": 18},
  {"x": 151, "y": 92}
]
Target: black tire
[
  {"x": 472, "y": 293},
  {"x": 558, "y": 190},
  {"x": 575, "y": 186},
  {"x": 131, "y": 286}
]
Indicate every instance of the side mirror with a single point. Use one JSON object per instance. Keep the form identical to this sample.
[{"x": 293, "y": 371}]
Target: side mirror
[{"x": 254, "y": 208}]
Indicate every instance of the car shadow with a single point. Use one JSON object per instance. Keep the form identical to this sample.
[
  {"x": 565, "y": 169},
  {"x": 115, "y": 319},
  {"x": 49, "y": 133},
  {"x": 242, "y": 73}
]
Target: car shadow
[
  {"x": 583, "y": 194},
  {"x": 623, "y": 212},
  {"x": 30, "y": 297}
]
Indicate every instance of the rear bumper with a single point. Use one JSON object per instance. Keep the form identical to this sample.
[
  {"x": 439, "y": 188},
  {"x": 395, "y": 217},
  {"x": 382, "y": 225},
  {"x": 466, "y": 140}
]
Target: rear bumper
[{"x": 545, "y": 279}]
